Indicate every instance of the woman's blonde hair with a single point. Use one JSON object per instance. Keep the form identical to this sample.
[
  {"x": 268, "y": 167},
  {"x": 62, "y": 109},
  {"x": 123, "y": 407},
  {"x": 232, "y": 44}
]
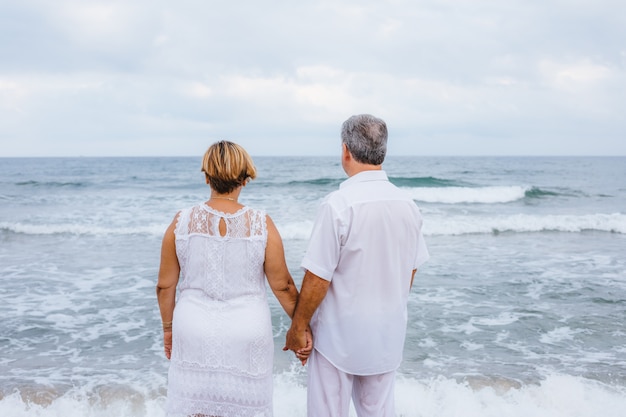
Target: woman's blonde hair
[{"x": 227, "y": 166}]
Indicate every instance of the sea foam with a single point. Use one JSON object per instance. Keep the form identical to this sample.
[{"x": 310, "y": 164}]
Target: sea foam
[
  {"x": 434, "y": 225},
  {"x": 524, "y": 223},
  {"x": 81, "y": 229},
  {"x": 555, "y": 396},
  {"x": 456, "y": 195}
]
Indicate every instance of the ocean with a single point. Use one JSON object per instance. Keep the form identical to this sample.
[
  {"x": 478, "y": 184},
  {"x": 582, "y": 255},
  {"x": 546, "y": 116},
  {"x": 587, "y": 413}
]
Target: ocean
[{"x": 519, "y": 312}]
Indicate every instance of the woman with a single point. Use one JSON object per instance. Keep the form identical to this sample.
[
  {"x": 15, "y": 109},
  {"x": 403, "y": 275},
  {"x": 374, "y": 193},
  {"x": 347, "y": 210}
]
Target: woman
[{"x": 218, "y": 332}]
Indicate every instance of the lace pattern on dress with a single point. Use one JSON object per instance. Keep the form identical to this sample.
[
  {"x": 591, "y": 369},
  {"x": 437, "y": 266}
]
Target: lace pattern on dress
[{"x": 222, "y": 352}]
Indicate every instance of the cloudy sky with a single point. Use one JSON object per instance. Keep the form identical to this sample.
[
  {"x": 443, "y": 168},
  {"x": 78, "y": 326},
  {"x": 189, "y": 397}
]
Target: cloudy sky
[{"x": 450, "y": 77}]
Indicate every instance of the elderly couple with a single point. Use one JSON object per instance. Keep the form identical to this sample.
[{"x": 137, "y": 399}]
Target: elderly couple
[{"x": 349, "y": 319}]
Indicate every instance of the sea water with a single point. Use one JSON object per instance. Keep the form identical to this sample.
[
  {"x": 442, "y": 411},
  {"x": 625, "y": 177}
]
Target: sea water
[{"x": 519, "y": 312}]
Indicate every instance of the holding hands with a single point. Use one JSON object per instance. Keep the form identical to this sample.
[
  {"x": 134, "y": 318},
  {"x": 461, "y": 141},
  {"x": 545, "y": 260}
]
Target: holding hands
[
  {"x": 300, "y": 342},
  {"x": 299, "y": 337}
]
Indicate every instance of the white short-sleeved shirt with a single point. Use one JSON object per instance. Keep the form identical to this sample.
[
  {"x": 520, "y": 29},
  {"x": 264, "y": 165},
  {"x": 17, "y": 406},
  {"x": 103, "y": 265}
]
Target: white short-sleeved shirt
[{"x": 367, "y": 240}]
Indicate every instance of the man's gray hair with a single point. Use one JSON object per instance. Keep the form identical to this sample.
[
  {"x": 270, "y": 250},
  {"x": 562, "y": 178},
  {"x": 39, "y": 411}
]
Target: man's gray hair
[{"x": 366, "y": 138}]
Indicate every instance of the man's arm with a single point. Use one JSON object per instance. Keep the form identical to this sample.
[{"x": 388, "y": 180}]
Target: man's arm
[{"x": 312, "y": 293}]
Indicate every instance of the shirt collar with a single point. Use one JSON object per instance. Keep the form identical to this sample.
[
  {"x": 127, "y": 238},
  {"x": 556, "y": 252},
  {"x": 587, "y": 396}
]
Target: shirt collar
[{"x": 365, "y": 176}]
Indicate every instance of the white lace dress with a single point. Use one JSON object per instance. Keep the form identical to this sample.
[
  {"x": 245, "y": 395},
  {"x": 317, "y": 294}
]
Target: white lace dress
[{"x": 222, "y": 350}]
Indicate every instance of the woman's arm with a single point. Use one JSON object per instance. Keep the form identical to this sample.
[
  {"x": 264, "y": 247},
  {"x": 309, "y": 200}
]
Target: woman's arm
[
  {"x": 276, "y": 270},
  {"x": 169, "y": 272},
  {"x": 282, "y": 284}
]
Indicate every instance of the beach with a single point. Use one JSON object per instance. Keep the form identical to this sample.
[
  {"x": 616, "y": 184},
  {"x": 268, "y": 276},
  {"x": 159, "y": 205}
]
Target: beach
[{"x": 519, "y": 311}]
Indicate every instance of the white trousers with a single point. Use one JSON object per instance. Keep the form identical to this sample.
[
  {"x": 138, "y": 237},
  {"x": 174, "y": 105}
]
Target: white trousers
[{"x": 330, "y": 390}]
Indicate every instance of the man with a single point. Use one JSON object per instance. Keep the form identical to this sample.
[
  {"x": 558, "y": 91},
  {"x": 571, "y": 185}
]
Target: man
[{"x": 365, "y": 248}]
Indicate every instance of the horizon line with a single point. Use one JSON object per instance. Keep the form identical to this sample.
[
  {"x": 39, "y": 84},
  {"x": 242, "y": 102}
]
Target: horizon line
[{"x": 331, "y": 156}]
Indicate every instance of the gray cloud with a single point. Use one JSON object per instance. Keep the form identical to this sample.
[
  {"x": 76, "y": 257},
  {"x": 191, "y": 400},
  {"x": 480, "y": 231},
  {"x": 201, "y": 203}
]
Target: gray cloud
[{"x": 450, "y": 77}]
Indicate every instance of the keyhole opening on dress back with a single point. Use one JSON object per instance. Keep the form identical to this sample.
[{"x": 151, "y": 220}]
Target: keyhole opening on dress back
[{"x": 222, "y": 227}]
